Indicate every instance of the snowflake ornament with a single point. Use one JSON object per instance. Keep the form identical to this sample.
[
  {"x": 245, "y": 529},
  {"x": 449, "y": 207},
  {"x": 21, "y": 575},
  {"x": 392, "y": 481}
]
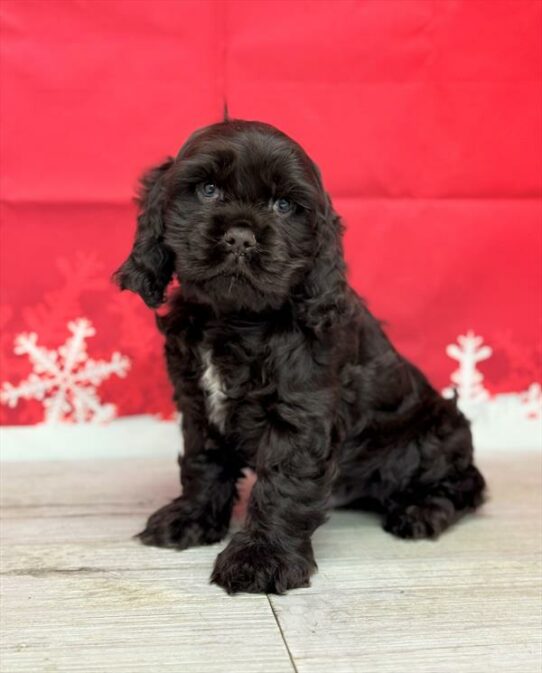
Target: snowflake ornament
[
  {"x": 65, "y": 380},
  {"x": 468, "y": 352}
]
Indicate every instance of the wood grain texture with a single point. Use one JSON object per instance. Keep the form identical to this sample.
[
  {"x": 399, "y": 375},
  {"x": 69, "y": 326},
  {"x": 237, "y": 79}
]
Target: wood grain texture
[{"x": 78, "y": 594}]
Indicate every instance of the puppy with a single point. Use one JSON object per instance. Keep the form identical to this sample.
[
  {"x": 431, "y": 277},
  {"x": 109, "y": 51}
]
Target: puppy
[{"x": 277, "y": 365}]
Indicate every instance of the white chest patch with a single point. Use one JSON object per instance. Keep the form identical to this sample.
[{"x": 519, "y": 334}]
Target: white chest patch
[{"x": 214, "y": 390}]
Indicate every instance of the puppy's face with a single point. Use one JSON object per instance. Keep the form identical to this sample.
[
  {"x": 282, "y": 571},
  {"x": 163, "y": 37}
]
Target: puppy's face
[
  {"x": 236, "y": 216},
  {"x": 239, "y": 215}
]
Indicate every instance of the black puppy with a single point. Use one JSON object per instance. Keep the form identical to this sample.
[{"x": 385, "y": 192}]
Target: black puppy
[{"x": 278, "y": 365}]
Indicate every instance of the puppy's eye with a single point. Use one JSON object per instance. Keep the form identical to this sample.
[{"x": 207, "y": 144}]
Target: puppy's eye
[
  {"x": 283, "y": 206},
  {"x": 209, "y": 190}
]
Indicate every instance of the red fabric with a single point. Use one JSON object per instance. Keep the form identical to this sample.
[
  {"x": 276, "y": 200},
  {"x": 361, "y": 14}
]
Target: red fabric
[{"x": 425, "y": 118}]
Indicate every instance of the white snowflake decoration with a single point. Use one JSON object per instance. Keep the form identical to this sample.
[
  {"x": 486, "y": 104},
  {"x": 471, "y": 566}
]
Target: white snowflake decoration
[
  {"x": 467, "y": 379},
  {"x": 65, "y": 380},
  {"x": 496, "y": 413}
]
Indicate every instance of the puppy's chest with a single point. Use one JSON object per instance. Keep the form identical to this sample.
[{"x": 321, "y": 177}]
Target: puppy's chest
[
  {"x": 224, "y": 381},
  {"x": 213, "y": 384}
]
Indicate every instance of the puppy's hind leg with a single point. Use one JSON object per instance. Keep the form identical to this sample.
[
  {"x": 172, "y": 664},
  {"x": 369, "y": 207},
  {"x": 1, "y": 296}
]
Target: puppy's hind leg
[{"x": 427, "y": 510}]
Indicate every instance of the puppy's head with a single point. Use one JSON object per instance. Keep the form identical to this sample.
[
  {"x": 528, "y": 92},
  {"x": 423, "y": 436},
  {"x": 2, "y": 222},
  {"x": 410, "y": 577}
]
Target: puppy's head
[{"x": 241, "y": 217}]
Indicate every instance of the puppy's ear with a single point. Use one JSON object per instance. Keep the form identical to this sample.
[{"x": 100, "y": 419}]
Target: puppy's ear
[
  {"x": 149, "y": 267},
  {"x": 325, "y": 285}
]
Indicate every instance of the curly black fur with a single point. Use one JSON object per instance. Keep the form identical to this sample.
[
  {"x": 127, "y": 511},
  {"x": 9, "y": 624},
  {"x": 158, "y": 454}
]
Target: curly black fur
[{"x": 278, "y": 365}]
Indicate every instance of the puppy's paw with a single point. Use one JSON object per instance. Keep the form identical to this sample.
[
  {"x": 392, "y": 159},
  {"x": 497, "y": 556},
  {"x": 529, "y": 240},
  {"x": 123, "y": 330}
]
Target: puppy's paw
[
  {"x": 416, "y": 522},
  {"x": 180, "y": 525},
  {"x": 256, "y": 566}
]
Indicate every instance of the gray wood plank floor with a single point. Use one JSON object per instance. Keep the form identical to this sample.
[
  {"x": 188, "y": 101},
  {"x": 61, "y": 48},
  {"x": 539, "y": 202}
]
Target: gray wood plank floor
[{"x": 78, "y": 594}]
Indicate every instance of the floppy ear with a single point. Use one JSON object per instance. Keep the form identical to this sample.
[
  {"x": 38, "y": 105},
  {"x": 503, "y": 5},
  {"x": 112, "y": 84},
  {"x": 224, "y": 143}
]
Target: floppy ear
[
  {"x": 325, "y": 285},
  {"x": 149, "y": 267}
]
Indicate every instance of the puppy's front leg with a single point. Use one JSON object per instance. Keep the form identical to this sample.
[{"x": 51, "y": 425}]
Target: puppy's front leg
[
  {"x": 201, "y": 515},
  {"x": 288, "y": 502}
]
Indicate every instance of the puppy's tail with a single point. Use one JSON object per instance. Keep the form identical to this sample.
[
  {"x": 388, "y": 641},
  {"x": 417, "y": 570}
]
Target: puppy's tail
[{"x": 226, "y": 114}]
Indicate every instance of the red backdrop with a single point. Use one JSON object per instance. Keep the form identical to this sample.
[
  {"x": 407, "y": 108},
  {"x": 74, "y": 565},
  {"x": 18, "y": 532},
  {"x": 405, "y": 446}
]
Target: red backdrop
[{"x": 425, "y": 117}]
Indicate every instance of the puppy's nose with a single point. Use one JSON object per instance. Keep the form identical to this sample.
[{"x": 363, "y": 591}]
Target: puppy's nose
[{"x": 239, "y": 240}]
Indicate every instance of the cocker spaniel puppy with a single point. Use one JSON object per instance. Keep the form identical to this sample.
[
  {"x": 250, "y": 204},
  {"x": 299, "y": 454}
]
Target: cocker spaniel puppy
[{"x": 278, "y": 365}]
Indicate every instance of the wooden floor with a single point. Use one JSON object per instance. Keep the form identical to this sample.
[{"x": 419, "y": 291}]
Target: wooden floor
[{"x": 79, "y": 595}]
